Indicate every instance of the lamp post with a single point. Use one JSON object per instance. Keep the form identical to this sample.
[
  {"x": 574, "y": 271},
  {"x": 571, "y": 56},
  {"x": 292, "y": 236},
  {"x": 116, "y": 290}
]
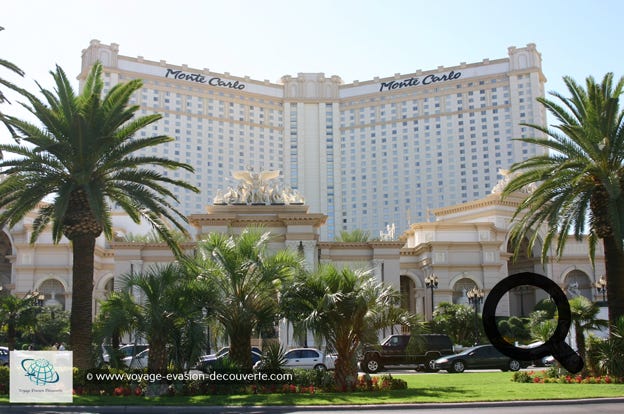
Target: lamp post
[
  {"x": 601, "y": 287},
  {"x": 475, "y": 296},
  {"x": 431, "y": 282}
]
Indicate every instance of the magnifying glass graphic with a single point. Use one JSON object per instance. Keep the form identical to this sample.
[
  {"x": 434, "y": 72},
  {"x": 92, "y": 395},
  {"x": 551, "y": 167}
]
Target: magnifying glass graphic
[{"x": 556, "y": 345}]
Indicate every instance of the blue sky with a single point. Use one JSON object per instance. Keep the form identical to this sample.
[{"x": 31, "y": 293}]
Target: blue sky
[{"x": 356, "y": 40}]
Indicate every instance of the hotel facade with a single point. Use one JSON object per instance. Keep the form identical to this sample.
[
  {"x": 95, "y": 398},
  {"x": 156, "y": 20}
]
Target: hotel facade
[
  {"x": 368, "y": 154},
  {"x": 419, "y": 157}
]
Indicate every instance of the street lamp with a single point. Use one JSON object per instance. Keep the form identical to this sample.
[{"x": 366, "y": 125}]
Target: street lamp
[
  {"x": 601, "y": 287},
  {"x": 431, "y": 282},
  {"x": 475, "y": 296}
]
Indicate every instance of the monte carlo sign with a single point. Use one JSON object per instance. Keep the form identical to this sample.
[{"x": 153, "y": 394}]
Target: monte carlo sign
[
  {"x": 427, "y": 80},
  {"x": 199, "y": 78}
]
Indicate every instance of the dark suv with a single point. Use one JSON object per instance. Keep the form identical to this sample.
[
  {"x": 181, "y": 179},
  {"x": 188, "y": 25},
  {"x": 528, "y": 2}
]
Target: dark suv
[{"x": 419, "y": 351}]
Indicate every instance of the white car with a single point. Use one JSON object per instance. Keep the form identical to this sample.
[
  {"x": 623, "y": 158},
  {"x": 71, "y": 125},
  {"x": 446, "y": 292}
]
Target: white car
[
  {"x": 309, "y": 358},
  {"x": 124, "y": 351},
  {"x": 138, "y": 361}
]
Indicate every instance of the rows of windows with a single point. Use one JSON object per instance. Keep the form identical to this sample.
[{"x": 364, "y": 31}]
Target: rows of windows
[
  {"x": 414, "y": 153},
  {"x": 388, "y": 157}
]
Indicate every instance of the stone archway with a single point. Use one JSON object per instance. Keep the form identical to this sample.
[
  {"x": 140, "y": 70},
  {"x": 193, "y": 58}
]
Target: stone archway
[
  {"x": 578, "y": 283},
  {"x": 109, "y": 286},
  {"x": 522, "y": 299},
  {"x": 53, "y": 292},
  {"x": 460, "y": 288}
]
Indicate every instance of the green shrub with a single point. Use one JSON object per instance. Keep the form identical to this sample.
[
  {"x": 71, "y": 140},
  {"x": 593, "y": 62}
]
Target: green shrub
[
  {"x": 522, "y": 376},
  {"x": 273, "y": 357},
  {"x": 390, "y": 383},
  {"x": 312, "y": 377},
  {"x": 4, "y": 380}
]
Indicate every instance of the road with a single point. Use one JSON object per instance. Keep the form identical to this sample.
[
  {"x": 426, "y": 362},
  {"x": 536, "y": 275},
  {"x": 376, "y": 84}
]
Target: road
[{"x": 606, "y": 406}]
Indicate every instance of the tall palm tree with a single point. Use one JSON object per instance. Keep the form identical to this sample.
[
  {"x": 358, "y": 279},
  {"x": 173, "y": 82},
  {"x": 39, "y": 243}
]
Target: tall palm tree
[
  {"x": 81, "y": 161},
  {"x": 169, "y": 301},
  {"x": 246, "y": 278},
  {"x": 584, "y": 318},
  {"x": 580, "y": 183},
  {"x": 344, "y": 308}
]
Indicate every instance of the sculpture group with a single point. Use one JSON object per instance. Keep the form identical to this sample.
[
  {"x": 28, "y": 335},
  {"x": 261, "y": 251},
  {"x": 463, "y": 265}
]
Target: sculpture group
[{"x": 255, "y": 188}]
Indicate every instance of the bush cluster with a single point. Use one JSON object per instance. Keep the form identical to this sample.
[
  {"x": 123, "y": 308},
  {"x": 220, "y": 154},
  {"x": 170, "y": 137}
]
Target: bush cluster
[
  {"x": 552, "y": 376},
  {"x": 385, "y": 382}
]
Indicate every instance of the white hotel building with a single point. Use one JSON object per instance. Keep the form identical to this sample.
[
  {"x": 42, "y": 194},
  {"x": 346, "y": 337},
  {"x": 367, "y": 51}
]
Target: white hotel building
[
  {"x": 422, "y": 151},
  {"x": 368, "y": 154}
]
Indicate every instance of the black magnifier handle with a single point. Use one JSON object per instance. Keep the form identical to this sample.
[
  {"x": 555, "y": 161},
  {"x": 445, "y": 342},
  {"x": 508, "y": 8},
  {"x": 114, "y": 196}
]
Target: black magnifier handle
[
  {"x": 567, "y": 357},
  {"x": 556, "y": 345}
]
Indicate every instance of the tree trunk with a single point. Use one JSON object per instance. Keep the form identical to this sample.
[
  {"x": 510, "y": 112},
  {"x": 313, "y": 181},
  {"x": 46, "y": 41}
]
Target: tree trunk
[
  {"x": 580, "y": 340},
  {"x": 240, "y": 348},
  {"x": 614, "y": 263},
  {"x": 346, "y": 367},
  {"x": 81, "y": 320},
  {"x": 157, "y": 359},
  {"x": 11, "y": 333}
]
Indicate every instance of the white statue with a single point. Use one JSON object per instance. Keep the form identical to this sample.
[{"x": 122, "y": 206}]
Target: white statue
[
  {"x": 463, "y": 299},
  {"x": 258, "y": 188},
  {"x": 389, "y": 233},
  {"x": 507, "y": 176},
  {"x": 254, "y": 179},
  {"x": 573, "y": 290}
]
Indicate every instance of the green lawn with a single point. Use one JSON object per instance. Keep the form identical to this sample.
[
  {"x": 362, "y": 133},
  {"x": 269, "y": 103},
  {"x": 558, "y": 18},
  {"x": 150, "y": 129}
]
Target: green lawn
[{"x": 424, "y": 388}]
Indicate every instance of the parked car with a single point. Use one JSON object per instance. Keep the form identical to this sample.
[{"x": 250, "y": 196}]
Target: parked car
[
  {"x": 224, "y": 350},
  {"x": 540, "y": 362},
  {"x": 309, "y": 358},
  {"x": 137, "y": 361},
  {"x": 123, "y": 351},
  {"x": 4, "y": 356},
  {"x": 418, "y": 352},
  {"x": 479, "y": 357},
  {"x": 208, "y": 363}
]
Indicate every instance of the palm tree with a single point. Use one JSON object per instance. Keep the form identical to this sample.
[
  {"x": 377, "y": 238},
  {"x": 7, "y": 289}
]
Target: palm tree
[
  {"x": 580, "y": 183},
  {"x": 355, "y": 236},
  {"x": 607, "y": 352},
  {"x": 246, "y": 278},
  {"x": 81, "y": 161},
  {"x": 542, "y": 324},
  {"x": 169, "y": 302},
  {"x": 118, "y": 316},
  {"x": 18, "y": 314},
  {"x": 584, "y": 318},
  {"x": 344, "y": 308}
]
